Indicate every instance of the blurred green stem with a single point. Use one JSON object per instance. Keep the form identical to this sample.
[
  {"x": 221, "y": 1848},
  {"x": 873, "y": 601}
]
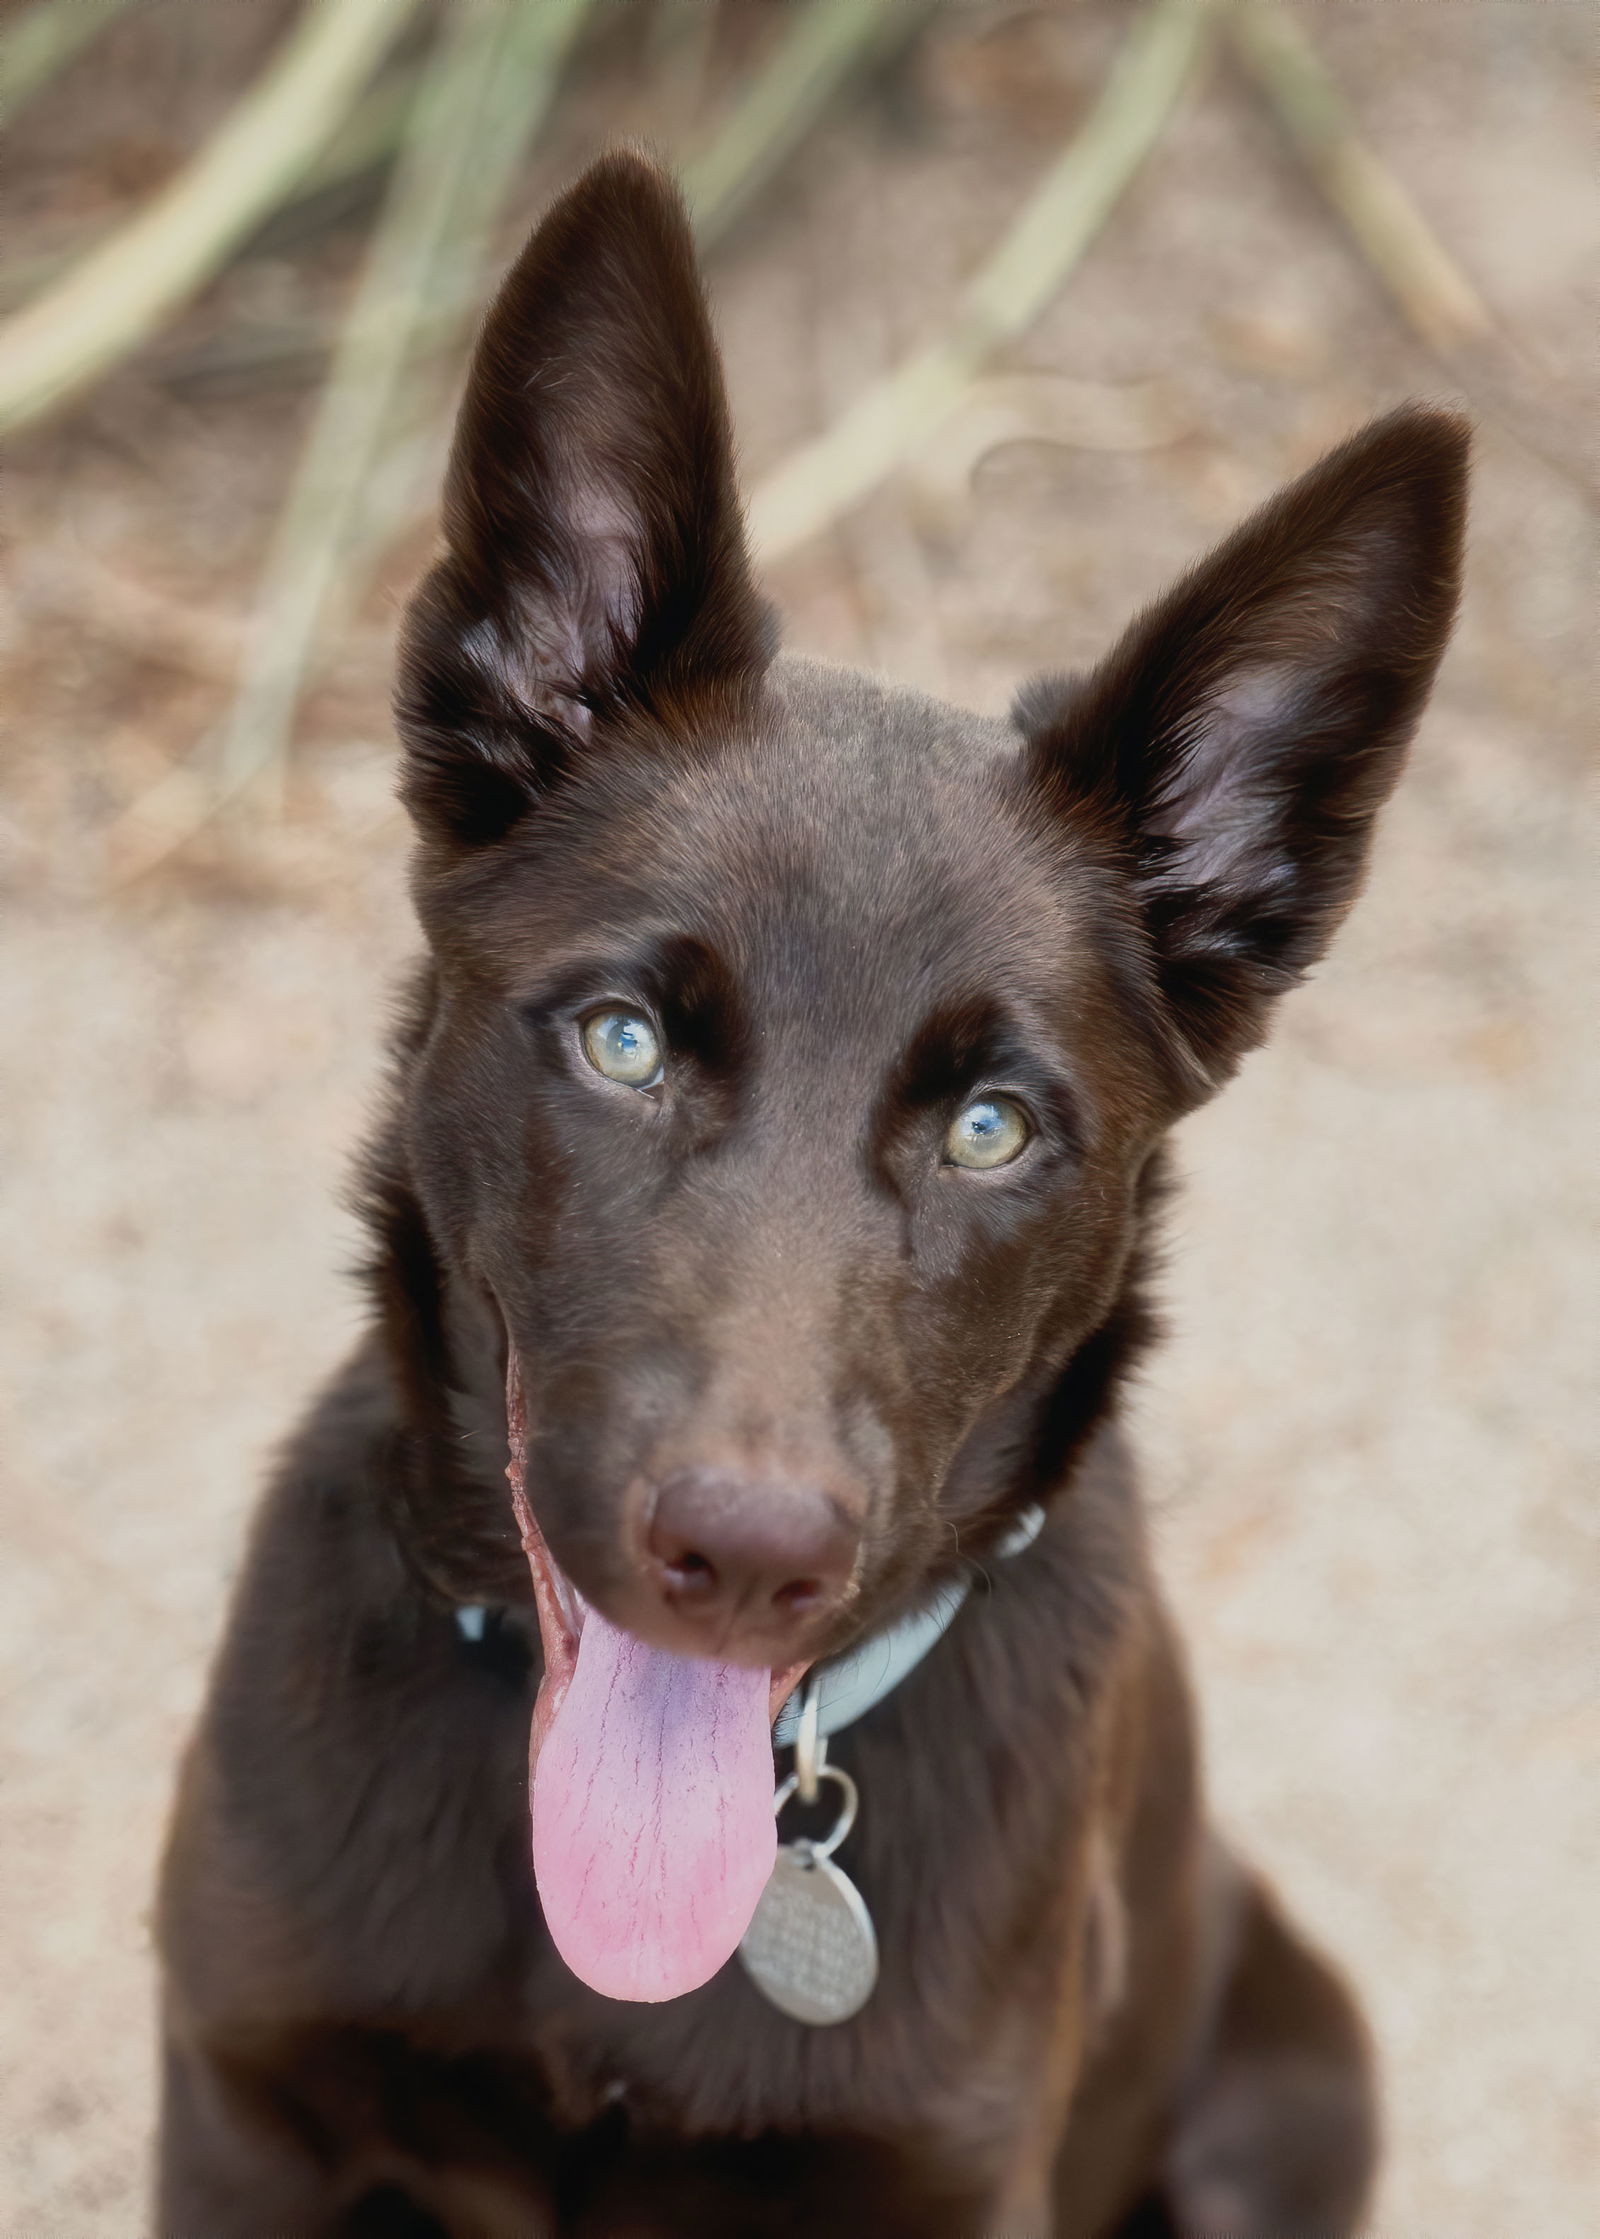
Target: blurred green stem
[
  {"x": 121, "y": 290},
  {"x": 1399, "y": 246},
  {"x": 42, "y": 40},
  {"x": 827, "y": 43},
  {"x": 826, "y": 476},
  {"x": 1419, "y": 272},
  {"x": 366, "y": 138},
  {"x": 482, "y": 98}
]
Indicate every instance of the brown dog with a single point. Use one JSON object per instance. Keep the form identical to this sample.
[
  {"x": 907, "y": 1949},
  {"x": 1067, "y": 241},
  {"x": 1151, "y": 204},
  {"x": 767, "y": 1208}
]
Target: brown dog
[{"x": 781, "y": 1107}]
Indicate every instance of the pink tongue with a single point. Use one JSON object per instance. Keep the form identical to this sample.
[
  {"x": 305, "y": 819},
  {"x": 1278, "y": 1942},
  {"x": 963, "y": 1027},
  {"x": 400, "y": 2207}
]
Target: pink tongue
[{"x": 653, "y": 1833}]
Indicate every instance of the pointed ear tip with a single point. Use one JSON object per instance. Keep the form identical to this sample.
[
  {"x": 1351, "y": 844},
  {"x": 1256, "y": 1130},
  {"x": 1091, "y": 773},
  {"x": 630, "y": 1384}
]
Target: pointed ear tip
[
  {"x": 1405, "y": 473},
  {"x": 622, "y": 216},
  {"x": 628, "y": 176},
  {"x": 1427, "y": 439}
]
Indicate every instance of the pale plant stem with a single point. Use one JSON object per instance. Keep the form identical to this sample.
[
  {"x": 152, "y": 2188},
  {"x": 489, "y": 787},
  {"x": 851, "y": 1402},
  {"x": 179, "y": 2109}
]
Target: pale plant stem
[
  {"x": 476, "y": 109},
  {"x": 1414, "y": 265},
  {"x": 122, "y": 289},
  {"x": 820, "y": 481},
  {"x": 39, "y": 43},
  {"x": 1400, "y": 248},
  {"x": 827, "y": 43}
]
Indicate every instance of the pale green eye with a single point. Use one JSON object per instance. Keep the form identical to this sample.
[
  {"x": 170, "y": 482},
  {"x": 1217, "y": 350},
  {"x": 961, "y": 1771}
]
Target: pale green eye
[
  {"x": 991, "y": 1132},
  {"x": 624, "y": 1047}
]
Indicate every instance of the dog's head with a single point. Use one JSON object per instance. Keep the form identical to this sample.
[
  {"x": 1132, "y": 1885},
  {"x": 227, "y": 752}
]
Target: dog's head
[
  {"x": 799, "y": 1049},
  {"x": 800, "y": 1045}
]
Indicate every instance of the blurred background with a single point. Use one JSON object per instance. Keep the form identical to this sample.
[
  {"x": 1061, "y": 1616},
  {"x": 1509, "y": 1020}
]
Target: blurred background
[{"x": 1023, "y": 306}]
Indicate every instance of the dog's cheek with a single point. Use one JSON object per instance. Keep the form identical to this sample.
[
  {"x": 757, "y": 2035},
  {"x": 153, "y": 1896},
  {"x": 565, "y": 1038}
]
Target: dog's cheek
[
  {"x": 970, "y": 1322},
  {"x": 467, "y": 1112},
  {"x": 1022, "y": 1285}
]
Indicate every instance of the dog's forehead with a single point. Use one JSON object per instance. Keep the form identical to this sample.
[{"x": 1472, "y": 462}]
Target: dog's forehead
[
  {"x": 853, "y": 823},
  {"x": 855, "y": 855}
]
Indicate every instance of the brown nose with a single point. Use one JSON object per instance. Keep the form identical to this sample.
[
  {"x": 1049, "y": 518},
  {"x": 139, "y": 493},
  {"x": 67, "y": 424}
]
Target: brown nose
[{"x": 762, "y": 1557}]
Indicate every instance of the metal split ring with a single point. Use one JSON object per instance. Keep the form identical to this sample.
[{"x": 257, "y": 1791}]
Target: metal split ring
[{"x": 847, "y": 1808}]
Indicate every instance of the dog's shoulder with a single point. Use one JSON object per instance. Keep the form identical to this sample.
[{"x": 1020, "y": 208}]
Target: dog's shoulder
[{"x": 350, "y": 1790}]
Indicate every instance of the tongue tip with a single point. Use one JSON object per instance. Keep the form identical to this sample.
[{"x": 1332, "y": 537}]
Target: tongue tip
[
  {"x": 655, "y": 1951},
  {"x": 641, "y": 1978}
]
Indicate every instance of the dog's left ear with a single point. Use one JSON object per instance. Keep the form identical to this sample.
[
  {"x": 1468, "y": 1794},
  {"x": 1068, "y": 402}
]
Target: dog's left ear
[
  {"x": 594, "y": 562},
  {"x": 1238, "y": 743}
]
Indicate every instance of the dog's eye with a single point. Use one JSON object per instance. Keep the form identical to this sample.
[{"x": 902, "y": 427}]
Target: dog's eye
[
  {"x": 991, "y": 1132},
  {"x": 624, "y": 1047}
]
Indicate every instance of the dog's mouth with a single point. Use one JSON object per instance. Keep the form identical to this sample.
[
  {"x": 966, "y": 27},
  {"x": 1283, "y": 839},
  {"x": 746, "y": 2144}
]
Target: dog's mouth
[{"x": 651, "y": 1776}]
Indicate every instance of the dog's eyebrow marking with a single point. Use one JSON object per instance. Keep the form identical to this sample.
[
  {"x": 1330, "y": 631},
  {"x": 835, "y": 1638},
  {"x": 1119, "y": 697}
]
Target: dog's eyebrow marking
[
  {"x": 956, "y": 1042},
  {"x": 702, "y": 1004},
  {"x": 963, "y": 1043},
  {"x": 973, "y": 1040}
]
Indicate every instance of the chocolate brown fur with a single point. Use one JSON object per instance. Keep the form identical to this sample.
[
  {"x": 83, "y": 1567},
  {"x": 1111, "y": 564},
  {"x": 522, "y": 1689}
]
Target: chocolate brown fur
[{"x": 847, "y": 905}]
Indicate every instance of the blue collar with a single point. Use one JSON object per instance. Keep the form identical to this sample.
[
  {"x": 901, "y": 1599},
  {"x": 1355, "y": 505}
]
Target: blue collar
[{"x": 849, "y": 1686}]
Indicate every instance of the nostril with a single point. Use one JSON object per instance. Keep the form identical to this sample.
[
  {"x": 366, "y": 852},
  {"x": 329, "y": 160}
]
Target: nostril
[
  {"x": 692, "y": 1575},
  {"x": 799, "y": 1597}
]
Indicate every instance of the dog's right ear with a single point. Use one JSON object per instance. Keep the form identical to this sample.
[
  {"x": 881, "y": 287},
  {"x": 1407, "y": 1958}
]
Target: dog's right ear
[{"x": 594, "y": 561}]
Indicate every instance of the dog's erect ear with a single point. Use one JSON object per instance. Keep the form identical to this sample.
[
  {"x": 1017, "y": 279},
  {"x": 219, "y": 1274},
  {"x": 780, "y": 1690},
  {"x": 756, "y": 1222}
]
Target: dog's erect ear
[
  {"x": 594, "y": 558},
  {"x": 1239, "y": 741}
]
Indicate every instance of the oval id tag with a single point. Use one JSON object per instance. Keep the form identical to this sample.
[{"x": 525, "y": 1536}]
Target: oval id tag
[{"x": 811, "y": 1947}]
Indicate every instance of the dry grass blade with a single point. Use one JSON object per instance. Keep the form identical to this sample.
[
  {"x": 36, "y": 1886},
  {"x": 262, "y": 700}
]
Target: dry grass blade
[
  {"x": 404, "y": 482},
  {"x": 1396, "y": 239},
  {"x": 366, "y": 138},
  {"x": 369, "y": 136},
  {"x": 125, "y": 286},
  {"x": 1422, "y": 278},
  {"x": 484, "y": 95},
  {"x": 42, "y": 41},
  {"x": 826, "y": 46},
  {"x": 680, "y": 44},
  {"x": 827, "y": 43},
  {"x": 821, "y": 480}
]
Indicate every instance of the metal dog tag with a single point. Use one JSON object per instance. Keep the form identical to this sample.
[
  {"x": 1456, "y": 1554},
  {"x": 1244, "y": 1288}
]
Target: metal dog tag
[{"x": 811, "y": 1948}]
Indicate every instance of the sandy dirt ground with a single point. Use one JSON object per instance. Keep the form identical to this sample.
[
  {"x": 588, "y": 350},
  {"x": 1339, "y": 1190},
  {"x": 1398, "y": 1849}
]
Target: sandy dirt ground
[{"x": 1364, "y": 1440}]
